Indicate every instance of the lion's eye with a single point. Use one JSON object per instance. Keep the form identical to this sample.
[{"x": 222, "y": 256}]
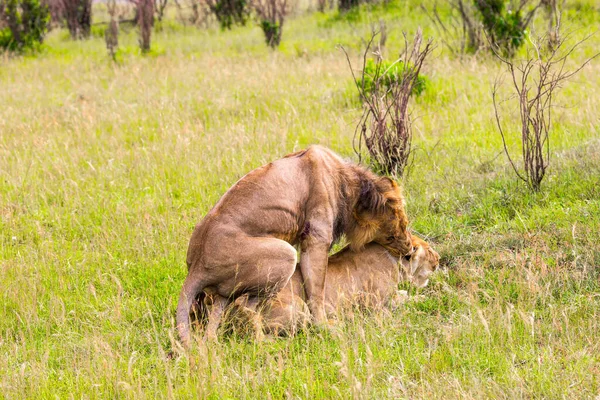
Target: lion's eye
[{"x": 390, "y": 239}]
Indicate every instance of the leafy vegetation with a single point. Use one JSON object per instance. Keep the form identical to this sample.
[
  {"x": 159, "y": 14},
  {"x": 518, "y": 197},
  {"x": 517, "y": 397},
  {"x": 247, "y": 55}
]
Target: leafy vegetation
[
  {"x": 23, "y": 24},
  {"x": 504, "y": 22},
  {"x": 391, "y": 73},
  {"x": 230, "y": 12}
]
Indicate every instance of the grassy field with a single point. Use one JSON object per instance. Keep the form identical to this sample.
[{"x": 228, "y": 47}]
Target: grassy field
[{"x": 105, "y": 169}]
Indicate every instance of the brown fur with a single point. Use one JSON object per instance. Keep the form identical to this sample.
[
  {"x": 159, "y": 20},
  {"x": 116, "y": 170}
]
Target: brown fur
[{"x": 309, "y": 198}]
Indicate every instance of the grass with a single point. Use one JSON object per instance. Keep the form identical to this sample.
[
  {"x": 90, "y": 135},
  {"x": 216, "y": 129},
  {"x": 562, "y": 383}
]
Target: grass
[{"x": 105, "y": 169}]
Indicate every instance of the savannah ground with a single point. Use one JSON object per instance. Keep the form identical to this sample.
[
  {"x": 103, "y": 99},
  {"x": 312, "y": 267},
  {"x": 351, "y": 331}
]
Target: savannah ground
[{"x": 105, "y": 169}]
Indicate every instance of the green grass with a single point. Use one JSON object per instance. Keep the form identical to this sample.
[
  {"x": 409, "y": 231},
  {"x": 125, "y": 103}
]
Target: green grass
[{"x": 105, "y": 169}]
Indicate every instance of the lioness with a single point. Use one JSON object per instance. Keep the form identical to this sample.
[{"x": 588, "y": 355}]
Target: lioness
[
  {"x": 369, "y": 277},
  {"x": 309, "y": 198}
]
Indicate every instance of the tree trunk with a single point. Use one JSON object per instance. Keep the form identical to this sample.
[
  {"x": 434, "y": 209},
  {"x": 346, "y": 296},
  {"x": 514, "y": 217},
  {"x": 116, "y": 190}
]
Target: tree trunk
[
  {"x": 78, "y": 14},
  {"x": 146, "y": 20}
]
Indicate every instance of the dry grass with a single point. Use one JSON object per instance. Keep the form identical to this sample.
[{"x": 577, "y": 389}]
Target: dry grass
[{"x": 105, "y": 169}]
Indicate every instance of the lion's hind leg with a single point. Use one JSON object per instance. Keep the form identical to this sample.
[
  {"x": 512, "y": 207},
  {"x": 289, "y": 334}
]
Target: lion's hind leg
[
  {"x": 264, "y": 267},
  {"x": 219, "y": 303}
]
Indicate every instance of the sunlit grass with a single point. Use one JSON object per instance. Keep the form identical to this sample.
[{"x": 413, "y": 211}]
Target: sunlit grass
[{"x": 105, "y": 169}]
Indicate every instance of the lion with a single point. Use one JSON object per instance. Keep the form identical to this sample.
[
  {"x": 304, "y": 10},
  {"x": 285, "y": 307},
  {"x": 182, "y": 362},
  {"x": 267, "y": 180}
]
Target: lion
[
  {"x": 369, "y": 277},
  {"x": 310, "y": 198}
]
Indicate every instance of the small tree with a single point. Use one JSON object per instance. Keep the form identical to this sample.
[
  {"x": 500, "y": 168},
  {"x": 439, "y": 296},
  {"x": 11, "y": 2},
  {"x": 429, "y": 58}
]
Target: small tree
[
  {"x": 160, "y": 7},
  {"x": 145, "y": 20},
  {"x": 111, "y": 35},
  {"x": 505, "y": 25},
  {"x": 23, "y": 24},
  {"x": 323, "y": 5},
  {"x": 385, "y": 127},
  {"x": 229, "y": 12},
  {"x": 57, "y": 12},
  {"x": 345, "y": 5},
  {"x": 503, "y": 22},
  {"x": 200, "y": 15},
  {"x": 78, "y": 15},
  {"x": 271, "y": 16},
  {"x": 535, "y": 81}
]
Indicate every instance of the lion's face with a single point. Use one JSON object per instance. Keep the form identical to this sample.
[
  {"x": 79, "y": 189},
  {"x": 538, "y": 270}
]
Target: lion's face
[
  {"x": 385, "y": 222},
  {"x": 394, "y": 237},
  {"x": 418, "y": 267}
]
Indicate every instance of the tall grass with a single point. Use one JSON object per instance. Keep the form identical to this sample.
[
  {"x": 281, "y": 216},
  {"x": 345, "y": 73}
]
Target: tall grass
[{"x": 105, "y": 169}]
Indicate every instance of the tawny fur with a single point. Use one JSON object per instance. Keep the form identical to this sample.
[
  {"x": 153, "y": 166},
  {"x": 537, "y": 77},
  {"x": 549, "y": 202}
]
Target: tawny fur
[
  {"x": 369, "y": 277},
  {"x": 310, "y": 199}
]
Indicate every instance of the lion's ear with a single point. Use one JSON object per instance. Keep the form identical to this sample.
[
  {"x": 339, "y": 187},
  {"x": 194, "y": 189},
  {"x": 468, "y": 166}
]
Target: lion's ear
[
  {"x": 370, "y": 199},
  {"x": 389, "y": 180}
]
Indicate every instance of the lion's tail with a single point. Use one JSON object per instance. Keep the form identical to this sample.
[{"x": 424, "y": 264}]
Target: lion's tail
[{"x": 190, "y": 290}]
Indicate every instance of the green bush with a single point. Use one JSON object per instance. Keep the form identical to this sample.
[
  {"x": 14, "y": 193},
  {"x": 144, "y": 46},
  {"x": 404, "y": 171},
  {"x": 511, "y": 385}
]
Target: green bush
[
  {"x": 230, "y": 12},
  {"x": 388, "y": 74},
  {"x": 272, "y": 33},
  {"x": 505, "y": 27},
  {"x": 23, "y": 24},
  {"x": 345, "y": 5}
]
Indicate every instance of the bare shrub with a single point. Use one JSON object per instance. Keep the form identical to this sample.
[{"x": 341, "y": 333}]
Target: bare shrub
[
  {"x": 385, "y": 127},
  {"x": 271, "y": 16},
  {"x": 535, "y": 81}
]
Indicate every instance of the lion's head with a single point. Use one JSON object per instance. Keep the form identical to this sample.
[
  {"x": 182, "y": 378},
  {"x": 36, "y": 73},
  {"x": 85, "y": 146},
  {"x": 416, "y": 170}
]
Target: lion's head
[
  {"x": 380, "y": 217},
  {"x": 418, "y": 266}
]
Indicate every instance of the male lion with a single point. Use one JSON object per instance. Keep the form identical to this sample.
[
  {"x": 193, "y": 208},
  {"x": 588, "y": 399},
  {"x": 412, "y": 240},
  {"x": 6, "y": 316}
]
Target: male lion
[
  {"x": 309, "y": 198},
  {"x": 369, "y": 277}
]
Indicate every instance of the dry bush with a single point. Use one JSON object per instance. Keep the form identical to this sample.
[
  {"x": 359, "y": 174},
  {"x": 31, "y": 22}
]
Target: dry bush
[
  {"x": 271, "y": 15},
  {"x": 385, "y": 127},
  {"x": 535, "y": 81}
]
